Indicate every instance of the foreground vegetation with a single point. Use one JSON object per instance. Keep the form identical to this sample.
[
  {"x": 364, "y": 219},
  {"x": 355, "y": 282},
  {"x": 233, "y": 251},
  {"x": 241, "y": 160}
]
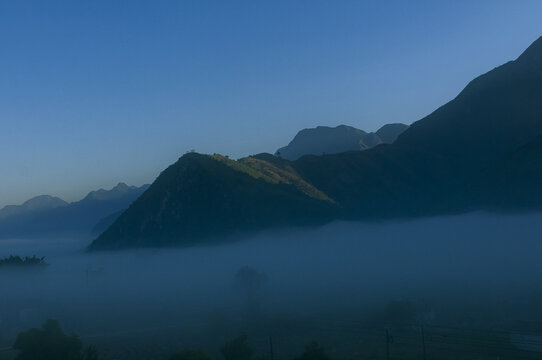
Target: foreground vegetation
[
  {"x": 50, "y": 343},
  {"x": 391, "y": 334},
  {"x": 27, "y": 261},
  {"x": 399, "y": 329}
]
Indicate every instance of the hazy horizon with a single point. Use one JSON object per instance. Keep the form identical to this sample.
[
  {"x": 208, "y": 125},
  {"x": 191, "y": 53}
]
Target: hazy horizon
[{"x": 99, "y": 93}]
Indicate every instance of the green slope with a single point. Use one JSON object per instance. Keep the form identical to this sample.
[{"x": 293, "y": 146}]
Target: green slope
[{"x": 204, "y": 196}]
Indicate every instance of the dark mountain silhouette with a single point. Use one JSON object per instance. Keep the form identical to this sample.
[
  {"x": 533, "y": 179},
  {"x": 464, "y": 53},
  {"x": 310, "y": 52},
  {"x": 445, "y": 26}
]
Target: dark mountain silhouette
[
  {"x": 38, "y": 203},
  {"x": 482, "y": 150},
  {"x": 75, "y": 217},
  {"x": 493, "y": 115},
  {"x": 390, "y": 132},
  {"x": 117, "y": 192},
  {"x": 517, "y": 179},
  {"x": 444, "y": 162},
  {"x": 105, "y": 222},
  {"x": 333, "y": 140}
]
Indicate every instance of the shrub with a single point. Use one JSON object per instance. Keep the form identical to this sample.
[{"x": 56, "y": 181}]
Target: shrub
[
  {"x": 190, "y": 354},
  {"x": 16, "y": 261},
  {"x": 313, "y": 351},
  {"x": 50, "y": 343},
  {"x": 237, "y": 349}
]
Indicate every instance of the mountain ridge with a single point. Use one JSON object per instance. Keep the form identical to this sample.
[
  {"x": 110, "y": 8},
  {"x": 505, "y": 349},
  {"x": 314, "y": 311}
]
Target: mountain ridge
[
  {"x": 37, "y": 203},
  {"x": 213, "y": 189},
  {"x": 323, "y": 140},
  {"x": 462, "y": 157},
  {"x": 69, "y": 218}
]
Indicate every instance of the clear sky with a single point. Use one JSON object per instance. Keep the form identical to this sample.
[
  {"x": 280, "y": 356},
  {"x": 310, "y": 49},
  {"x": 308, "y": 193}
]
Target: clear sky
[{"x": 97, "y": 92}]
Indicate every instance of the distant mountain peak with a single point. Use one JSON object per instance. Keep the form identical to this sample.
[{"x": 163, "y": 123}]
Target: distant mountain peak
[
  {"x": 103, "y": 194},
  {"x": 37, "y": 203},
  {"x": 332, "y": 140},
  {"x": 50, "y": 215},
  {"x": 122, "y": 185}
]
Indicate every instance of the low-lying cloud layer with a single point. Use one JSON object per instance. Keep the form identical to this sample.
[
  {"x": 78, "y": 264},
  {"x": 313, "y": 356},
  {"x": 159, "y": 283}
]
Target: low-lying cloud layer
[{"x": 336, "y": 268}]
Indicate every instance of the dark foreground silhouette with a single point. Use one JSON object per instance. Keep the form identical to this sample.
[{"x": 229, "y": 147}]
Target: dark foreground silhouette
[
  {"x": 50, "y": 343},
  {"x": 20, "y": 262}
]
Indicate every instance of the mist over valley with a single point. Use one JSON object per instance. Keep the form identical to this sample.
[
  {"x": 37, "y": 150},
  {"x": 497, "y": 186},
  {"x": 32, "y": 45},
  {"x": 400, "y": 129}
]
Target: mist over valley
[{"x": 476, "y": 270}]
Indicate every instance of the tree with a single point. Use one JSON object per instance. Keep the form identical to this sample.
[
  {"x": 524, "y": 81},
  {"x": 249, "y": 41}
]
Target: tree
[
  {"x": 250, "y": 285},
  {"x": 47, "y": 343},
  {"x": 313, "y": 351},
  {"x": 50, "y": 343},
  {"x": 190, "y": 354},
  {"x": 400, "y": 313},
  {"x": 237, "y": 349},
  {"x": 90, "y": 353},
  {"x": 17, "y": 261}
]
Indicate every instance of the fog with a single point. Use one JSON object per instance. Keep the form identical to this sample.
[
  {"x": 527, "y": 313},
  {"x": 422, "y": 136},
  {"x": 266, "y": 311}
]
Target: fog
[{"x": 342, "y": 270}]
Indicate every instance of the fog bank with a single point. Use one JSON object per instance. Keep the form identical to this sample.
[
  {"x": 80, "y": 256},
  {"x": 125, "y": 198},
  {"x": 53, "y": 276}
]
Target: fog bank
[{"x": 335, "y": 269}]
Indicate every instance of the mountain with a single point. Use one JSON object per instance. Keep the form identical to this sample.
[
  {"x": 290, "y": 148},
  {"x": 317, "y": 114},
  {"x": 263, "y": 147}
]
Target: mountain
[
  {"x": 65, "y": 219},
  {"x": 333, "y": 140},
  {"x": 105, "y": 222},
  {"x": 38, "y": 203},
  {"x": 493, "y": 115},
  {"x": 517, "y": 179},
  {"x": 201, "y": 196},
  {"x": 390, "y": 132},
  {"x": 482, "y": 150},
  {"x": 445, "y": 162},
  {"x": 117, "y": 192}
]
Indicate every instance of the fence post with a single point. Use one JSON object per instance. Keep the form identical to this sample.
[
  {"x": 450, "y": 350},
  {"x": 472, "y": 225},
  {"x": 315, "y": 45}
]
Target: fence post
[
  {"x": 388, "y": 338},
  {"x": 423, "y": 344},
  {"x": 271, "y": 348}
]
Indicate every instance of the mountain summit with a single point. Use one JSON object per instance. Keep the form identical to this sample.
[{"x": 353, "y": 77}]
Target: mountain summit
[
  {"x": 201, "y": 196},
  {"x": 38, "y": 203},
  {"x": 333, "y": 140},
  {"x": 116, "y": 192}
]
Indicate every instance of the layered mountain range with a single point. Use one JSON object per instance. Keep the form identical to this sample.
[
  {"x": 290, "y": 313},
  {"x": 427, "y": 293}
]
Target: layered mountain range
[
  {"x": 334, "y": 140},
  {"x": 52, "y": 216},
  {"x": 38, "y": 203},
  {"x": 480, "y": 151}
]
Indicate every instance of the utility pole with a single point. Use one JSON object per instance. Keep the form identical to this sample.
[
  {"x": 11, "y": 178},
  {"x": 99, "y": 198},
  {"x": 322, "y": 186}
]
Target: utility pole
[
  {"x": 388, "y": 340},
  {"x": 423, "y": 344},
  {"x": 271, "y": 348}
]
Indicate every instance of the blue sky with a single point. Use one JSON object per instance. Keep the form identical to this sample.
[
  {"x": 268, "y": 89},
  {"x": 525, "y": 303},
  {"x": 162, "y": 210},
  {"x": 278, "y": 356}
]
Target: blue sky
[{"x": 97, "y": 92}]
